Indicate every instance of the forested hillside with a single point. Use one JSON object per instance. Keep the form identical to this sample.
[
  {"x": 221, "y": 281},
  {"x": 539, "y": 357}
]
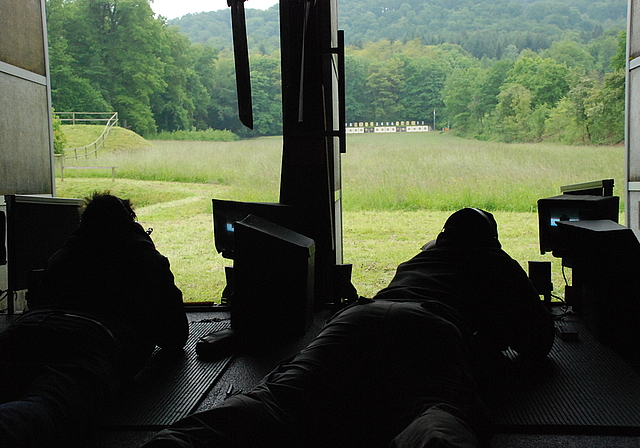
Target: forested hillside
[
  {"x": 519, "y": 70},
  {"x": 485, "y": 28}
]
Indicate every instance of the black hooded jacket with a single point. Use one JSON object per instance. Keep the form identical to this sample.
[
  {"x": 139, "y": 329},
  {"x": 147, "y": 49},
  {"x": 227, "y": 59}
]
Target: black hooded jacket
[
  {"x": 485, "y": 292},
  {"x": 110, "y": 270}
]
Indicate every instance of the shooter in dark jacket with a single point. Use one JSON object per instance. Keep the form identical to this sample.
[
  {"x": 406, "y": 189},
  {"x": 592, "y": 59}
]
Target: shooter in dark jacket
[
  {"x": 399, "y": 370},
  {"x": 106, "y": 300}
]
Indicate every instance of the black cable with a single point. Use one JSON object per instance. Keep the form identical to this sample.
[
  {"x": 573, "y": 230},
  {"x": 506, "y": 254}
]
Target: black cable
[
  {"x": 563, "y": 306},
  {"x": 564, "y": 275}
]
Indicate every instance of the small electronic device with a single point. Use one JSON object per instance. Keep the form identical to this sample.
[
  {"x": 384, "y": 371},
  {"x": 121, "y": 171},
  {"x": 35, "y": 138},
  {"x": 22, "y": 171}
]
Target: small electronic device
[
  {"x": 567, "y": 332},
  {"x": 217, "y": 344}
]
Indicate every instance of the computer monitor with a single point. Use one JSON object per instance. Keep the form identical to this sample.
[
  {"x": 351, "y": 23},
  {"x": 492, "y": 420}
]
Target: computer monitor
[
  {"x": 36, "y": 228},
  {"x": 273, "y": 280},
  {"x": 605, "y": 260},
  {"x": 226, "y": 213},
  {"x": 571, "y": 207}
]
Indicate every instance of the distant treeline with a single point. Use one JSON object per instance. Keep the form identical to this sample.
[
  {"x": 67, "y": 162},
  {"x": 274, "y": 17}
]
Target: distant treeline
[
  {"x": 484, "y": 28},
  {"x": 512, "y": 70},
  {"x": 559, "y": 94}
]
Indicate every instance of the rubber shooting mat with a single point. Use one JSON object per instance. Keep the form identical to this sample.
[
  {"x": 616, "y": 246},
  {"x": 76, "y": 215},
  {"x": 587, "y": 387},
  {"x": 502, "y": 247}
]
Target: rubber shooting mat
[
  {"x": 169, "y": 389},
  {"x": 584, "y": 388}
]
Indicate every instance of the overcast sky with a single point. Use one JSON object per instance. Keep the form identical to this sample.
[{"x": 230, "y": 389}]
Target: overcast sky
[{"x": 178, "y": 8}]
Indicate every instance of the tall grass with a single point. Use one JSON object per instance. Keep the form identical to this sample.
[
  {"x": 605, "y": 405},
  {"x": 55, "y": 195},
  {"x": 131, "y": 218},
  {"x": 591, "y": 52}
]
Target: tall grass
[
  {"x": 436, "y": 171},
  {"x": 251, "y": 167},
  {"x": 409, "y": 171},
  {"x": 398, "y": 189}
]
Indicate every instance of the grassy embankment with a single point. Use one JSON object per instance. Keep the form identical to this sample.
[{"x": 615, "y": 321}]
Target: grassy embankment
[{"x": 398, "y": 189}]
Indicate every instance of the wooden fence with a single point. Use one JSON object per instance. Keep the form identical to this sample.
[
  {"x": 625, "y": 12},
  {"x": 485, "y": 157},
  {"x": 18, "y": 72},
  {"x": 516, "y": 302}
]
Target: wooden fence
[
  {"x": 91, "y": 148},
  {"x": 85, "y": 117}
]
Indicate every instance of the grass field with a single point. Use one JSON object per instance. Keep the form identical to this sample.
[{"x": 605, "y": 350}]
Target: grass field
[{"x": 398, "y": 189}]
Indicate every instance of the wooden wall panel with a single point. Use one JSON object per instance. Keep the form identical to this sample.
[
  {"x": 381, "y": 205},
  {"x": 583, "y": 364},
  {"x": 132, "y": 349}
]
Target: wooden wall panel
[
  {"x": 22, "y": 42},
  {"x": 26, "y": 149}
]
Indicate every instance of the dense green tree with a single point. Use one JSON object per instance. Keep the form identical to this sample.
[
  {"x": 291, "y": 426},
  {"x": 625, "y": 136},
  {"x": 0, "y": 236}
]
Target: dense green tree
[
  {"x": 201, "y": 85},
  {"x": 355, "y": 77},
  {"x": 223, "y": 112},
  {"x": 606, "y": 110},
  {"x": 543, "y": 77},
  {"x": 605, "y": 107},
  {"x": 603, "y": 48},
  {"x": 461, "y": 95},
  {"x": 118, "y": 45},
  {"x": 512, "y": 115},
  {"x": 537, "y": 123},
  {"x": 267, "y": 95},
  {"x": 471, "y": 95},
  {"x": 619, "y": 61},
  {"x": 572, "y": 54},
  {"x": 59, "y": 139},
  {"x": 385, "y": 87},
  {"x": 174, "y": 107},
  {"x": 561, "y": 125},
  {"x": 489, "y": 88},
  {"x": 424, "y": 81},
  {"x": 138, "y": 61},
  {"x": 69, "y": 91}
]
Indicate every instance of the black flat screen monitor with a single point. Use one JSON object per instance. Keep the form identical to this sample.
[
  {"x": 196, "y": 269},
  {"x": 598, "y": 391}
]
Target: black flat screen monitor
[
  {"x": 571, "y": 207},
  {"x": 36, "y": 228},
  {"x": 226, "y": 213}
]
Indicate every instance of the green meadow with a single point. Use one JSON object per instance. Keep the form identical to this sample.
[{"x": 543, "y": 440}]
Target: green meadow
[{"x": 398, "y": 189}]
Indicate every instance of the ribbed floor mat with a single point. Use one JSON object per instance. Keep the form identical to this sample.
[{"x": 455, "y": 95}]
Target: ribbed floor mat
[
  {"x": 585, "y": 389},
  {"x": 168, "y": 394}
]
